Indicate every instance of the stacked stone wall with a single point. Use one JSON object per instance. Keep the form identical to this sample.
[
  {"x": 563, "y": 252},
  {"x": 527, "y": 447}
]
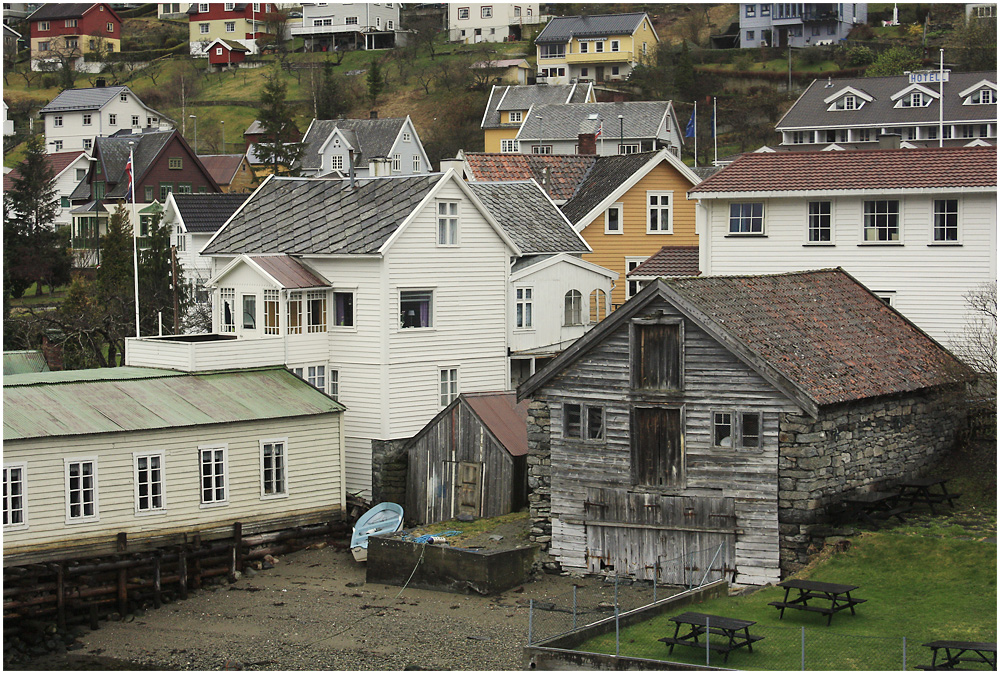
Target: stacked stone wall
[
  {"x": 389, "y": 464},
  {"x": 539, "y": 462},
  {"x": 858, "y": 447}
]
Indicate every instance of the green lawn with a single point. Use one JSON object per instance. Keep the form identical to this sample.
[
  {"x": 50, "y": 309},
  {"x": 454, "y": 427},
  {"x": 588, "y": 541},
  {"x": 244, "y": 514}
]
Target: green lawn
[{"x": 919, "y": 587}]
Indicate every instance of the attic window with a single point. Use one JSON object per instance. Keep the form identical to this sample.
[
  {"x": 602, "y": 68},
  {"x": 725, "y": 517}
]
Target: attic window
[
  {"x": 914, "y": 99},
  {"x": 175, "y": 163},
  {"x": 124, "y": 98},
  {"x": 985, "y": 96},
  {"x": 848, "y": 102}
]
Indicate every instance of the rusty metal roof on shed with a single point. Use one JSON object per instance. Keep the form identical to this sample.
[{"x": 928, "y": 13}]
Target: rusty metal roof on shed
[
  {"x": 114, "y": 400},
  {"x": 506, "y": 418}
]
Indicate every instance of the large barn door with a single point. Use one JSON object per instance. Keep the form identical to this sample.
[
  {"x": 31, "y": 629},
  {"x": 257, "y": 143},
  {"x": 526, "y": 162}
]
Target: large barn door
[
  {"x": 470, "y": 488},
  {"x": 679, "y": 540}
]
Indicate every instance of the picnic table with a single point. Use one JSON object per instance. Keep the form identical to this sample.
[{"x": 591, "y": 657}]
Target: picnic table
[
  {"x": 955, "y": 653},
  {"x": 921, "y": 491},
  {"x": 838, "y": 597},
  {"x": 736, "y": 632},
  {"x": 878, "y": 505}
]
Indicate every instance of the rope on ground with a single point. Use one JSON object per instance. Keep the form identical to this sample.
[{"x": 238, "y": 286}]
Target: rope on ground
[{"x": 423, "y": 549}]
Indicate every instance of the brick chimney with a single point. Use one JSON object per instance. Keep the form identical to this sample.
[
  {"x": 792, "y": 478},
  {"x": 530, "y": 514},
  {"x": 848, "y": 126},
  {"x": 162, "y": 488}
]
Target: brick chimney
[
  {"x": 586, "y": 143},
  {"x": 373, "y": 114}
]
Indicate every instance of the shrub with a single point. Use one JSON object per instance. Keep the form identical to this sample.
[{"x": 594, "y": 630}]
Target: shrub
[
  {"x": 49, "y": 81},
  {"x": 812, "y": 56},
  {"x": 743, "y": 62},
  {"x": 862, "y": 31},
  {"x": 859, "y": 57}
]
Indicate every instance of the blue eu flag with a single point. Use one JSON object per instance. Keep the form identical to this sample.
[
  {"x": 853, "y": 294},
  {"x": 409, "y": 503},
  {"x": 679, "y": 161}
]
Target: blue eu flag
[{"x": 689, "y": 130}]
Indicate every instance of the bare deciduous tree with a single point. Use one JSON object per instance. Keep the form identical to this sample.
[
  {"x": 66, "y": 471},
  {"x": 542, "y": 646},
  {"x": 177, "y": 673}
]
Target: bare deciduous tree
[{"x": 977, "y": 344}]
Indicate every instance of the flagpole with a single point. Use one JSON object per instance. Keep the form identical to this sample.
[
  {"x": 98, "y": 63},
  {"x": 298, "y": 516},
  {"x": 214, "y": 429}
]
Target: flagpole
[
  {"x": 695, "y": 116},
  {"x": 135, "y": 246},
  {"x": 715, "y": 127}
]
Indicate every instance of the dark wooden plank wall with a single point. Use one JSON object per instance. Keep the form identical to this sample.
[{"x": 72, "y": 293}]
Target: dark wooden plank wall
[
  {"x": 714, "y": 379},
  {"x": 433, "y": 469}
]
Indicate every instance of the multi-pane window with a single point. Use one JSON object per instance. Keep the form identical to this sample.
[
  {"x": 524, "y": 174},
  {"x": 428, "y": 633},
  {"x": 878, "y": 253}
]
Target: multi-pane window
[
  {"x": 415, "y": 308},
  {"x": 88, "y": 120},
  {"x": 343, "y": 309},
  {"x": 463, "y": 13},
  {"x": 508, "y": 145},
  {"x": 448, "y": 379},
  {"x": 522, "y": 307},
  {"x": 228, "y": 318},
  {"x": 272, "y": 468},
  {"x": 848, "y": 102},
  {"x": 337, "y": 162},
  {"x": 616, "y": 45},
  {"x": 819, "y": 222},
  {"x": 487, "y": 12},
  {"x": 43, "y": 25},
  {"x": 396, "y": 163},
  {"x": 230, "y": 26},
  {"x": 515, "y": 115},
  {"x": 736, "y": 429},
  {"x": 351, "y": 21},
  {"x": 204, "y": 28},
  {"x": 416, "y": 163},
  {"x": 148, "y": 482},
  {"x": 213, "y": 474},
  {"x": 58, "y": 145},
  {"x": 135, "y": 121},
  {"x": 882, "y": 220},
  {"x": 57, "y": 120},
  {"x": 985, "y": 96},
  {"x": 598, "y": 305},
  {"x": 14, "y": 513},
  {"x": 175, "y": 163},
  {"x": 447, "y": 223},
  {"x": 81, "y": 489},
  {"x": 316, "y": 310},
  {"x": 316, "y": 376},
  {"x": 334, "y": 377},
  {"x": 632, "y": 287},
  {"x": 946, "y": 220},
  {"x": 659, "y": 219},
  {"x": 573, "y": 308},
  {"x": 914, "y": 99},
  {"x": 249, "y": 312},
  {"x": 628, "y": 148},
  {"x": 295, "y": 313},
  {"x": 746, "y": 218},
  {"x": 272, "y": 307},
  {"x": 583, "y": 422},
  {"x": 113, "y": 120},
  {"x": 751, "y": 10},
  {"x": 613, "y": 219},
  {"x": 541, "y": 149}
]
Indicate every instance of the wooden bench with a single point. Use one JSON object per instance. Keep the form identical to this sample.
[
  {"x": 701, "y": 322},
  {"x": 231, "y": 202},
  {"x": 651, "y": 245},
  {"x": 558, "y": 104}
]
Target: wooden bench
[
  {"x": 837, "y": 597},
  {"x": 714, "y": 646}
]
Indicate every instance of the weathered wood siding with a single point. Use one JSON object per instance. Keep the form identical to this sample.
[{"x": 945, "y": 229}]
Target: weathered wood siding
[
  {"x": 713, "y": 380},
  {"x": 435, "y": 459},
  {"x": 313, "y": 470}
]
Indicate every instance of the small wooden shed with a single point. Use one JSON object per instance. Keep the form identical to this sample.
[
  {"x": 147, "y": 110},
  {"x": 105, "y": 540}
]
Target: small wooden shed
[{"x": 469, "y": 459}]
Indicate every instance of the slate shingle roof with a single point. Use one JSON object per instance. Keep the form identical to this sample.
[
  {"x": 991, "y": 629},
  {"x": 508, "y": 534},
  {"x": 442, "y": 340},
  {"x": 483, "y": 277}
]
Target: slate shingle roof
[
  {"x": 855, "y": 170},
  {"x": 205, "y": 213},
  {"x": 374, "y": 138},
  {"x": 113, "y": 153},
  {"x": 223, "y": 167},
  {"x": 825, "y": 332},
  {"x": 290, "y": 272},
  {"x": 562, "y": 28},
  {"x": 530, "y": 219},
  {"x": 607, "y": 175},
  {"x": 641, "y": 120},
  {"x": 670, "y": 261},
  {"x": 60, "y": 10},
  {"x": 810, "y": 110},
  {"x": 57, "y": 160},
  {"x": 523, "y": 96},
  {"x": 72, "y": 100},
  {"x": 565, "y": 171},
  {"x": 322, "y": 216}
]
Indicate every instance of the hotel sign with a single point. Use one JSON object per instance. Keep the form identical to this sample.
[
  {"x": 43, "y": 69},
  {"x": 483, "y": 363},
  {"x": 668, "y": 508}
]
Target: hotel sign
[{"x": 929, "y": 76}]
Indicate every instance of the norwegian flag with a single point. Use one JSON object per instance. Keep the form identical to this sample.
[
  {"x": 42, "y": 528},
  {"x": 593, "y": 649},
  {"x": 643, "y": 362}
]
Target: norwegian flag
[
  {"x": 128, "y": 177},
  {"x": 600, "y": 130}
]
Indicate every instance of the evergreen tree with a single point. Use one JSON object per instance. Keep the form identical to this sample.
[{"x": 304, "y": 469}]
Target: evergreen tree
[
  {"x": 978, "y": 38},
  {"x": 115, "y": 297},
  {"x": 375, "y": 80},
  {"x": 277, "y": 146},
  {"x": 33, "y": 197},
  {"x": 330, "y": 100},
  {"x": 156, "y": 292}
]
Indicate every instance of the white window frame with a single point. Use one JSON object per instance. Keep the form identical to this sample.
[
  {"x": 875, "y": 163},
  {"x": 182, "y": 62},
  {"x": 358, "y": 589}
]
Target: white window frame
[
  {"x": 230, "y": 26},
  {"x": 430, "y": 308},
  {"x": 215, "y": 502},
  {"x": 318, "y": 326},
  {"x": 524, "y": 308},
  {"x": 659, "y": 195},
  {"x": 958, "y": 222},
  {"x": 96, "y": 516},
  {"x": 598, "y": 305},
  {"x": 113, "y": 119},
  {"x": 599, "y": 46},
  {"x": 204, "y": 28},
  {"x": 584, "y": 47},
  {"x": 271, "y": 297},
  {"x": 515, "y": 116},
  {"x": 486, "y": 12},
  {"x": 229, "y": 6},
  {"x": 264, "y": 496},
  {"x": 618, "y": 208},
  {"x": 628, "y": 148},
  {"x": 976, "y": 97},
  {"x": 224, "y": 294},
  {"x": 88, "y": 119},
  {"x": 631, "y": 262},
  {"x": 616, "y": 45},
  {"x": 337, "y": 162},
  {"x": 406, "y": 137},
  {"x": 218, "y": 51},
  {"x": 202, "y": 7},
  {"x": 351, "y": 21},
  {"x": 135, "y": 121},
  {"x": 353, "y": 292},
  {"x": 21, "y": 466},
  {"x": 865, "y": 229},
  {"x": 448, "y": 223},
  {"x": 57, "y": 121},
  {"x": 463, "y": 13},
  {"x": 295, "y": 299},
  {"x": 573, "y": 312},
  {"x": 397, "y": 163},
  {"x": 541, "y": 149},
  {"x": 417, "y": 163},
  {"x": 508, "y": 146},
  {"x": 162, "y": 508},
  {"x": 448, "y": 385},
  {"x": 44, "y": 25},
  {"x": 749, "y": 218},
  {"x": 333, "y": 382},
  {"x": 817, "y": 218}
]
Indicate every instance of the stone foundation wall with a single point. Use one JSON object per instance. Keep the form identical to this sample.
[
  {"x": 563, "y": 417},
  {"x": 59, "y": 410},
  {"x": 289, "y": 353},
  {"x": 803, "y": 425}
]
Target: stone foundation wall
[
  {"x": 539, "y": 461},
  {"x": 389, "y": 463},
  {"x": 860, "y": 447}
]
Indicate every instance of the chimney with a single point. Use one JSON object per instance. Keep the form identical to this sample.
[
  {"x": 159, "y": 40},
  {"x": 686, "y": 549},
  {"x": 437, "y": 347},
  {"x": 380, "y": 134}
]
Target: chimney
[
  {"x": 454, "y": 163},
  {"x": 373, "y": 114},
  {"x": 888, "y": 141},
  {"x": 101, "y": 83},
  {"x": 586, "y": 143},
  {"x": 618, "y": 97}
]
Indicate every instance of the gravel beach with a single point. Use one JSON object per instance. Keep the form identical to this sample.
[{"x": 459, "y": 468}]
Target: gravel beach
[{"x": 314, "y": 611}]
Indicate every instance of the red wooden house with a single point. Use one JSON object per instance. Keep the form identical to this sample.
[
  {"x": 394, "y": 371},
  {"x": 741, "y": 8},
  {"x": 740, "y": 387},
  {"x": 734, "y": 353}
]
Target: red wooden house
[
  {"x": 73, "y": 29},
  {"x": 223, "y": 53}
]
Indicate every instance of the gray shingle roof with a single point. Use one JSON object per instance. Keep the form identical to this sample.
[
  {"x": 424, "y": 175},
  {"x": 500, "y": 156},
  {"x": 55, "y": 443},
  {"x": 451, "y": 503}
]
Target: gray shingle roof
[
  {"x": 604, "y": 178},
  {"x": 523, "y": 96},
  {"x": 374, "y": 138},
  {"x": 562, "y": 28},
  {"x": 207, "y": 212},
  {"x": 72, "y": 100},
  {"x": 113, "y": 155},
  {"x": 60, "y": 10},
  {"x": 810, "y": 110},
  {"x": 530, "y": 219},
  {"x": 322, "y": 216},
  {"x": 641, "y": 119}
]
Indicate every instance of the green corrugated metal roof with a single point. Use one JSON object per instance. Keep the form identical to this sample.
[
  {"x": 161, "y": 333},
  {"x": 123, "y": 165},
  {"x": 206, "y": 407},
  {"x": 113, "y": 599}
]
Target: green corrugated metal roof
[
  {"x": 23, "y": 362},
  {"x": 113, "y": 400}
]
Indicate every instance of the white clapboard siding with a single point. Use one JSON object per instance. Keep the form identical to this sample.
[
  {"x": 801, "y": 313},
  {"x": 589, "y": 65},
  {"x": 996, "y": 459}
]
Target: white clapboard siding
[
  {"x": 926, "y": 282},
  {"x": 313, "y": 472}
]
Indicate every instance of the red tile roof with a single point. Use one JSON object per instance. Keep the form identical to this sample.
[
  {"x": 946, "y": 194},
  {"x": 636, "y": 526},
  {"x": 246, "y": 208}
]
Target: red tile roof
[
  {"x": 506, "y": 418},
  {"x": 566, "y": 171},
  {"x": 825, "y": 332},
  {"x": 222, "y": 167},
  {"x": 289, "y": 272},
  {"x": 670, "y": 261},
  {"x": 57, "y": 160},
  {"x": 917, "y": 168}
]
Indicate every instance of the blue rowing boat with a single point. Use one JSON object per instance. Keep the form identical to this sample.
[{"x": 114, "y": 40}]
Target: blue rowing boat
[{"x": 384, "y": 518}]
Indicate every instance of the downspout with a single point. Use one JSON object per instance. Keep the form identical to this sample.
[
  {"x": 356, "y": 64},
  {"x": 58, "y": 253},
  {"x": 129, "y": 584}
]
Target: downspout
[{"x": 343, "y": 463}]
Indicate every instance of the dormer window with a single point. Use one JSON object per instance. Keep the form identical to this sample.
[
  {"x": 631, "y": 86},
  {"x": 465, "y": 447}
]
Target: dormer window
[
  {"x": 914, "y": 99},
  {"x": 849, "y": 102},
  {"x": 985, "y": 96}
]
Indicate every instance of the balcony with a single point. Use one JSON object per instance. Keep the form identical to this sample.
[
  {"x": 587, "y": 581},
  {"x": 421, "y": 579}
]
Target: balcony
[
  {"x": 821, "y": 12},
  {"x": 204, "y": 352}
]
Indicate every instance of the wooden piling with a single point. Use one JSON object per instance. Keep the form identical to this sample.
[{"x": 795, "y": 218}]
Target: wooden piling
[{"x": 157, "y": 602}]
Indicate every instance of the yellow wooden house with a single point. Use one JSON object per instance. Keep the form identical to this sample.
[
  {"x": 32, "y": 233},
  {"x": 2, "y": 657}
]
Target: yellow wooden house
[
  {"x": 629, "y": 207},
  {"x": 508, "y": 106}
]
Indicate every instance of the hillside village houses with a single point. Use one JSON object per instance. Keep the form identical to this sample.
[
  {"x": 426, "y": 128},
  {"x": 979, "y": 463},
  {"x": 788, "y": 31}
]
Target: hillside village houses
[
  {"x": 595, "y": 48},
  {"x": 329, "y": 26},
  {"x": 66, "y": 31},
  {"x": 69, "y": 168},
  {"x": 75, "y": 117},
  {"x": 240, "y": 22},
  {"x": 367, "y": 147},
  {"x": 472, "y": 23},
  {"x": 854, "y": 113},
  {"x": 508, "y": 106},
  {"x": 798, "y": 24}
]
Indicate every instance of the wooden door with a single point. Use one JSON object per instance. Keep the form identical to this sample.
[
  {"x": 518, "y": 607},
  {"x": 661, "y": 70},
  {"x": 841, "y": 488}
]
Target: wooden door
[
  {"x": 470, "y": 488},
  {"x": 657, "y": 447}
]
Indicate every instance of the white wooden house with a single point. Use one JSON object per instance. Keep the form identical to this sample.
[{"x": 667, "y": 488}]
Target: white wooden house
[
  {"x": 159, "y": 454},
  {"x": 916, "y": 226},
  {"x": 75, "y": 117},
  {"x": 375, "y": 147}
]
